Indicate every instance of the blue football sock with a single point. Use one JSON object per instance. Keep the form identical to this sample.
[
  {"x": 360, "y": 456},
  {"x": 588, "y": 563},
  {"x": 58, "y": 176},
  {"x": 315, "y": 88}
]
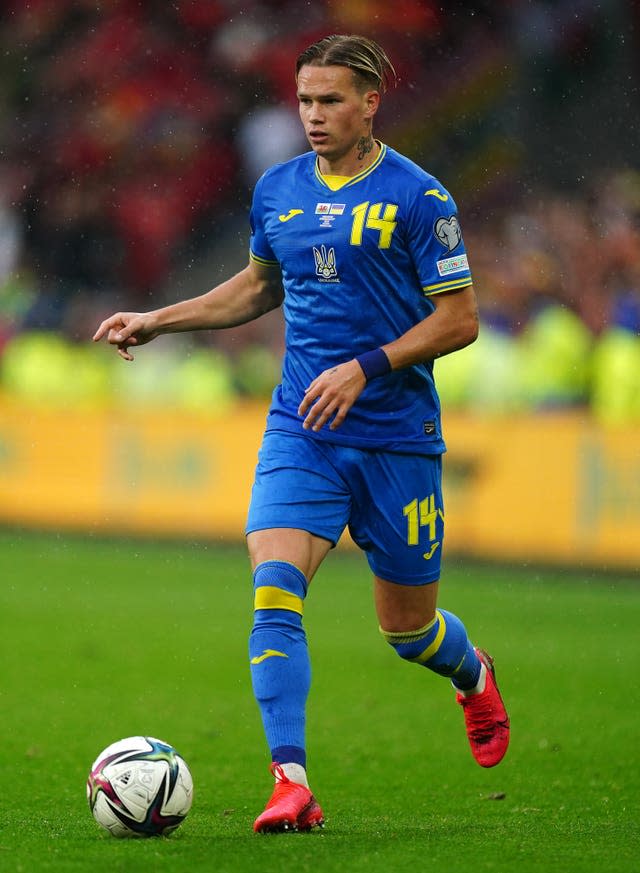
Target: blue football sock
[
  {"x": 280, "y": 667},
  {"x": 443, "y": 646}
]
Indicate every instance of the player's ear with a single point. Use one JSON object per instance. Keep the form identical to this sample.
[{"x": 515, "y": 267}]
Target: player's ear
[{"x": 371, "y": 102}]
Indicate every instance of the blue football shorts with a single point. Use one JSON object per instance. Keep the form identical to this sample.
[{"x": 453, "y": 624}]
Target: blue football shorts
[{"x": 390, "y": 502}]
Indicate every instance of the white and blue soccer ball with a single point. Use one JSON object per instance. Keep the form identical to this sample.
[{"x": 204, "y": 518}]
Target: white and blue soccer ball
[{"x": 139, "y": 787}]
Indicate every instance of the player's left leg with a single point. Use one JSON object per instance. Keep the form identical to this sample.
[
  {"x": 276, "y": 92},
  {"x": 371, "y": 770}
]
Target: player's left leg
[
  {"x": 423, "y": 634},
  {"x": 441, "y": 644},
  {"x": 401, "y": 530}
]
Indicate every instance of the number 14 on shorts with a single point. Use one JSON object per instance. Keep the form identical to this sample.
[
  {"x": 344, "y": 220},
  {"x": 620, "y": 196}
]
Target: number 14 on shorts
[{"x": 422, "y": 513}]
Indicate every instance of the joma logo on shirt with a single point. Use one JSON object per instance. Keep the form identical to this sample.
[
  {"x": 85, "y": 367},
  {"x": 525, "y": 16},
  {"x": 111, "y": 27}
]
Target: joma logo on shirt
[
  {"x": 290, "y": 214},
  {"x": 325, "y": 260}
]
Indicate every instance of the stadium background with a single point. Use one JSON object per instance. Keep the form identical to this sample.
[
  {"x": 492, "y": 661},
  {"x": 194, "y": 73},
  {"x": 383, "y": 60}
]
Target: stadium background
[{"x": 131, "y": 135}]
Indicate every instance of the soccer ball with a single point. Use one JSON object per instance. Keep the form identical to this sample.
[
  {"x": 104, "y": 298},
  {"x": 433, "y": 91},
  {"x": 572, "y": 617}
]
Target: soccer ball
[{"x": 139, "y": 787}]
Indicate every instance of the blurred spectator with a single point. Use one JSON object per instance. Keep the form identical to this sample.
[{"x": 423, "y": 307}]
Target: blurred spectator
[
  {"x": 10, "y": 234},
  {"x": 268, "y": 135}
]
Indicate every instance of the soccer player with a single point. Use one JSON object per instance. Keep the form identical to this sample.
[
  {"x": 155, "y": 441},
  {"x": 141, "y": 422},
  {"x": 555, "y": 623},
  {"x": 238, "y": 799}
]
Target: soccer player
[{"x": 363, "y": 249}]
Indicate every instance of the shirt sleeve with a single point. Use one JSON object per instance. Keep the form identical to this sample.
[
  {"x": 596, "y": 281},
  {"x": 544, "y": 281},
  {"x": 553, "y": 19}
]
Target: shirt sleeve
[
  {"x": 436, "y": 242},
  {"x": 259, "y": 248}
]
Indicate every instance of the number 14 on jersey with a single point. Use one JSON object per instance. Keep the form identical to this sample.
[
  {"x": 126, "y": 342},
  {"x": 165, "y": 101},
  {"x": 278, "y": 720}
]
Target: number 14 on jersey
[{"x": 371, "y": 215}]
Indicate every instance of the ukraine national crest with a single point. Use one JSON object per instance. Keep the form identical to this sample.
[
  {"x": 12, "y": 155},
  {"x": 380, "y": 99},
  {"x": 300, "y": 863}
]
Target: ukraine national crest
[{"x": 326, "y": 263}]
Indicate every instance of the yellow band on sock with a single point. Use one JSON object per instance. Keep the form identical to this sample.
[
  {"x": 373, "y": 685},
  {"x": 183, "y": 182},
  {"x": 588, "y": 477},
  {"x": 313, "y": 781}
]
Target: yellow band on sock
[
  {"x": 271, "y": 597},
  {"x": 395, "y": 637},
  {"x": 430, "y": 651}
]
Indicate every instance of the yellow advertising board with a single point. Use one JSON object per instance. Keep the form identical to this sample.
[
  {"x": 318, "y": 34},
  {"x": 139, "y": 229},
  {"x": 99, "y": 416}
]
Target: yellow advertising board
[
  {"x": 554, "y": 487},
  {"x": 134, "y": 472},
  {"x": 551, "y": 488}
]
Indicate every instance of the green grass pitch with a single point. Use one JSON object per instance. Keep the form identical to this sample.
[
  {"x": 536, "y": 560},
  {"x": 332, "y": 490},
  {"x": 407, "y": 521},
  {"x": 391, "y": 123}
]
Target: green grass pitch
[{"x": 101, "y": 640}]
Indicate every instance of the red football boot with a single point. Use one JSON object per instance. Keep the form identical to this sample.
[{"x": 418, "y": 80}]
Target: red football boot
[
  {"x": 486, "y": 719},
  {"x": 291, "y": 807}
]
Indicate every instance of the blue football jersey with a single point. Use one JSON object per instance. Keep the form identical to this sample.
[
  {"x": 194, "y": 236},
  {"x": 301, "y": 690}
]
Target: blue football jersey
[{"x": 359, "y": 266}]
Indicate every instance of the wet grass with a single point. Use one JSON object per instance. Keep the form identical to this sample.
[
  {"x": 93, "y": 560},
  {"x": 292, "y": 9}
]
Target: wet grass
[{"x": 105, "y": 639}]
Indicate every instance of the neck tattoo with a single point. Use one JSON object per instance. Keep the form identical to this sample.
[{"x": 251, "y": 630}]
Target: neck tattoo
[{"x": 365, "y": 145}]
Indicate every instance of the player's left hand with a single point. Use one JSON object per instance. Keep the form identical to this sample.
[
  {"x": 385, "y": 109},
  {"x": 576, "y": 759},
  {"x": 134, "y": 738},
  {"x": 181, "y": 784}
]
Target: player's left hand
[{"x": 331, "y": 395}]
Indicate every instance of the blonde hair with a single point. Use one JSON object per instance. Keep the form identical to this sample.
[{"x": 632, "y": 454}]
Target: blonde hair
[{"x": 365, "y": 58}]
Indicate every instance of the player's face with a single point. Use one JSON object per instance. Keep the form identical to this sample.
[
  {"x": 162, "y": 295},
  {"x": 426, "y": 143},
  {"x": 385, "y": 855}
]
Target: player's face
[{"x": 335, "y": 114}]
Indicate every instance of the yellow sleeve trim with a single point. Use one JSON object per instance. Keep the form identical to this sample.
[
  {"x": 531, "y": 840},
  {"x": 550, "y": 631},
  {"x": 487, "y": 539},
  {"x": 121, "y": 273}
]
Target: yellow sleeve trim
[
  {"x": 270, "y": 597},
  {"x": 454, "y": 284},
  {"x": 264, "y": 261}
]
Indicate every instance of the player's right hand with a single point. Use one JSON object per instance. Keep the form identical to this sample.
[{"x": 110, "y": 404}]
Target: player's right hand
[
  {"x": 331, "y": 395},
  {"x": 125, "y": 329}
]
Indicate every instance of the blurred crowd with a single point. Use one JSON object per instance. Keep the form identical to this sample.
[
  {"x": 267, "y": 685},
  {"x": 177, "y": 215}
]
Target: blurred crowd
[
  {"x": 133, "y": 130},
  {"x": 559, "y": 282}
]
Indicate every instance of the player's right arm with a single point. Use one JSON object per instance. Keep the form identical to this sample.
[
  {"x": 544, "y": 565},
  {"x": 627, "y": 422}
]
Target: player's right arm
[{"x": 249, "y": 294}]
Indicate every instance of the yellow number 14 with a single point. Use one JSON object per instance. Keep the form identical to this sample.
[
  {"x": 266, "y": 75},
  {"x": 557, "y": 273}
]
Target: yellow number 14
[
  {"x": 423, "y": 513},
  {"x": 368, "y": 215}
]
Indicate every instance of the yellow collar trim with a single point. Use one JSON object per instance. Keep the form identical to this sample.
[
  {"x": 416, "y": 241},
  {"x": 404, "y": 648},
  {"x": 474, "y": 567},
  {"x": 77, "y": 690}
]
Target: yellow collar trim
[
  {"x": 336, "y": 182},
  {"x": 351, "y": 180}
]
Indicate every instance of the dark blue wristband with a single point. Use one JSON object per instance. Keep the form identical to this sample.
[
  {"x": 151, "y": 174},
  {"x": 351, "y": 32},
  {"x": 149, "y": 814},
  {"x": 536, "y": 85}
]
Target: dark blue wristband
[{"x": 374, "y": 364}]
